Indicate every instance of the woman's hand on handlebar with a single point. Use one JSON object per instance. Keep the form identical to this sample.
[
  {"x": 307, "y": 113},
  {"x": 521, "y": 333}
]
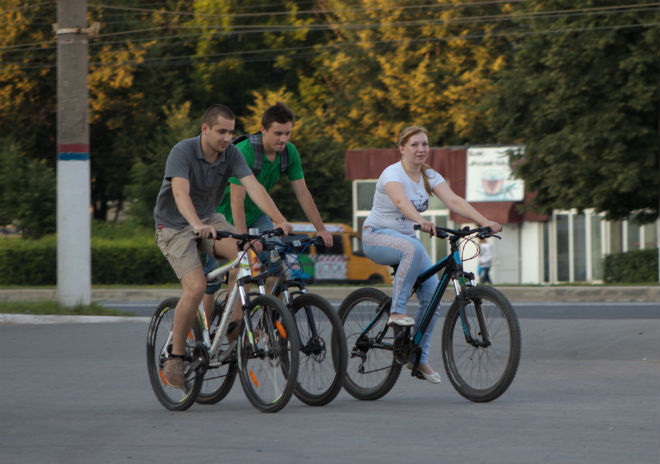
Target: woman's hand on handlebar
[
  {"x": 494, "y": 226},
  {"x": 428, "y": 227}
]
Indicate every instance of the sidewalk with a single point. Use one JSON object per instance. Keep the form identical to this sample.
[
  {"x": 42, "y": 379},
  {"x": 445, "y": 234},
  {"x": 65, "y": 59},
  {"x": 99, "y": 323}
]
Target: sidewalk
[{"x": 639, "y": 294}]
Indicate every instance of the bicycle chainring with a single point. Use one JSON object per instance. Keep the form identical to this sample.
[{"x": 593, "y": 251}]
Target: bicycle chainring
[{"x": 402, "y": 346}]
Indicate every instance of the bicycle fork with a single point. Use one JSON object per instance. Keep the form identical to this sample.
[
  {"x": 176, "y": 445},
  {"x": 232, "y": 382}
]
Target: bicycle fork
[{"x": 481, "y": 318}]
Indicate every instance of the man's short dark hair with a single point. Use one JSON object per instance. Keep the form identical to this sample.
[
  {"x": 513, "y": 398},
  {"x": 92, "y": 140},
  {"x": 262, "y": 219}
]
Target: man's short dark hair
[
  {"x": 279, "y": 112},
  {"x": 212, "y": 112}
]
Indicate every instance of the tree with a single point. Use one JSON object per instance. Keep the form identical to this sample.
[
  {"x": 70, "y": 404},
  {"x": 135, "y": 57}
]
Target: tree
[
  {"x": 582, "y": 95},
  {"x": 386, "y": 66},
  {"x": 146, "y": 175},
  {"x": 28, "y": 191}
]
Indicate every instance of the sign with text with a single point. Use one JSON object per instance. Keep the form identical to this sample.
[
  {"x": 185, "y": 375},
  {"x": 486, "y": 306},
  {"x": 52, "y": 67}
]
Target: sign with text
[{"x": 489, "y": 176}]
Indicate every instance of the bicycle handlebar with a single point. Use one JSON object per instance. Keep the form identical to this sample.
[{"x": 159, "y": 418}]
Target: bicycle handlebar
[
  {"x": 444, "y": 232},
  {"x": 245, "y": 238}
]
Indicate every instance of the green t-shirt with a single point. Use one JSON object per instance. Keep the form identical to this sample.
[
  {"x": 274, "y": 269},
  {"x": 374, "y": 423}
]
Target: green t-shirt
[{"x": 268, "y": 177}]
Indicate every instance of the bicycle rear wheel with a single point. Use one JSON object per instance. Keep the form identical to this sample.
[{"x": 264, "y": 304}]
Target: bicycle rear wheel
[
  {"x": 481, "y": 374},
  {"x": 268, "y": 368},
  {"x": 322, "y": 350},
  {"x": 372, "y": 369},
  {"x": 159, "y": 341},
  {"x": 220, "y": 376}
]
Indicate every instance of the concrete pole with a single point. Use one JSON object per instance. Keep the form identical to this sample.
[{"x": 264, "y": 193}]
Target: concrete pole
[{"x": 73, "y": 170}]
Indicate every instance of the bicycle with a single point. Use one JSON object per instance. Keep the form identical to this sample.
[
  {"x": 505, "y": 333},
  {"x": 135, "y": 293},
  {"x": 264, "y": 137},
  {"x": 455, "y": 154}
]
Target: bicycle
[
  {"x": 264, "y": 353},
  {"x": 323, "y": 352},
  {"x": 480, "y": 337}
]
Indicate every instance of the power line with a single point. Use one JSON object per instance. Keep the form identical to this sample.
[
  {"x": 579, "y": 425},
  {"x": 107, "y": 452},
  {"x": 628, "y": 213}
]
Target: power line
[
  {"x": 311, "y": 12},
  {"x": 616, "y": 9},
  {"x": 313, "y": 50}
]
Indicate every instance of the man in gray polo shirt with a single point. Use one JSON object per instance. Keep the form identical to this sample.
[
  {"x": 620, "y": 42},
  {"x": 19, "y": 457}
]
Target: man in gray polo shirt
[{"x": 196, "y": 176}]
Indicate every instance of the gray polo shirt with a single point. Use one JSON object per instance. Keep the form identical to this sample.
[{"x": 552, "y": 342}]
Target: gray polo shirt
[{"x": 208, "y": 181}]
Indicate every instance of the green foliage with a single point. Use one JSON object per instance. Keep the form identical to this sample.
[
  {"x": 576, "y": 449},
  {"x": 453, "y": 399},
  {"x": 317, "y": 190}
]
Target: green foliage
[
  {"x": 637, "y": 266},
  {"x": 28, "y": 262},
  {"x": 133, "y": 261},
  {"x": 146, "y": 175},
  {"x": 28, "y": 189},
  {"x": 584, "y": 101},
  {"x": 129, "y": 262},
  {"x": 52, "y": 308}
]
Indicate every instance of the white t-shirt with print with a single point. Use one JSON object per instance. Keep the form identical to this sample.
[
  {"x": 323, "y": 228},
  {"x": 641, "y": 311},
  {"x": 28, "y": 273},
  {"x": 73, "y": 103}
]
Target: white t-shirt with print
[{"x": 384, "y": 214}]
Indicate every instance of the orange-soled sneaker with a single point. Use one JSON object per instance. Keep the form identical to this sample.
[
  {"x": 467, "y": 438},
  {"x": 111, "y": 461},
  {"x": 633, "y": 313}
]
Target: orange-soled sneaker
[{"x": 174, "y": 372}]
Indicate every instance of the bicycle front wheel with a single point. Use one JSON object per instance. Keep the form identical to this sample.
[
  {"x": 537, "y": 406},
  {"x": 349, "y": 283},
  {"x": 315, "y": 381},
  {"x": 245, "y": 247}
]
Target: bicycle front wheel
[
  {"x": 322, "y": 350},
  {"x": 220, "y": 376},
  {"x": 159, "y": 343},
  {"x": 268, "y": 356},
  {"x": 372, "y": 369},
  {"x": 481, "y": 373}
]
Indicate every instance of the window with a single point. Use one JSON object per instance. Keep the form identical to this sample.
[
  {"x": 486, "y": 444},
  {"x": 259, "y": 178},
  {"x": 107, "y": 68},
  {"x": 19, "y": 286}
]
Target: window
[
  {"x": 596, "y": 248},
  {"x": 579, "y": 248},
  {"x": 563, "y": 237},
  {"x": 634, "y": 242},
  {"x": 650, "y": 235},
  {"x": 337, "y": 247},
  {"x": 616, "y": 237},
  {"x": 364, "y": 191}
]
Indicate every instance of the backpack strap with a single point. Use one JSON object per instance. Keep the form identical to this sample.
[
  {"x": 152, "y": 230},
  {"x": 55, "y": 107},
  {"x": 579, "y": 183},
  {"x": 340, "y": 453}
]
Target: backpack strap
[{"x": 258, "y": 147}]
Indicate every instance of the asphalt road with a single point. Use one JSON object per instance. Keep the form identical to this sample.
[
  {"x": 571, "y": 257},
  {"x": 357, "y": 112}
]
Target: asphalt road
[
  {"x": 587, "y": 391},
  {"x": 537, "y": 310}
]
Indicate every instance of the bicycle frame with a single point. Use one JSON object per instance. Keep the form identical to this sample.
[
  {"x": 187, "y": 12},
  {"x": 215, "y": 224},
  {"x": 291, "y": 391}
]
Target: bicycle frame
[
  {"x": 453, "y": 270},
  {"x": 243, "y": 264}
]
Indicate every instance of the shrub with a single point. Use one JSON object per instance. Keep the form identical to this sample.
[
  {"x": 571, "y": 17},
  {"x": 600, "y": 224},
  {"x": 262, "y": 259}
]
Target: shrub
[
  {"x": 637, "y": 266},
  {"x": 133, "y": 262}
]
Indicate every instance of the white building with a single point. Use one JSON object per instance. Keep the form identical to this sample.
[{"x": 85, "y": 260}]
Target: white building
[{"x": 566, "y": 246}]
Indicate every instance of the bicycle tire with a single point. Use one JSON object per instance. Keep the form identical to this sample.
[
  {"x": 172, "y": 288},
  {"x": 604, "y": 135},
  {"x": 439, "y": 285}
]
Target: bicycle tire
[
  {"x": 219, "y": 378},
  {"x": 477, "y": 373},
  {"x": 323, "y": 358},
  {"x": 158, "y": 337},
  {"x": 269, "y": 373},
  {"x": 356, "y": 312}
]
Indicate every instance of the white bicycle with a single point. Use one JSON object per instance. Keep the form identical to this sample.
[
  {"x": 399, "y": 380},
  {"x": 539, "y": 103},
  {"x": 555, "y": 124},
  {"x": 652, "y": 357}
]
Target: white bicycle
[{"x": 264, "y": 351}]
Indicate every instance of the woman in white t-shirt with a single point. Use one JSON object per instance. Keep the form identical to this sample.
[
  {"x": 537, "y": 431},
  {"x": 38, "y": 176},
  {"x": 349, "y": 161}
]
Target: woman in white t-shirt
[{"x": 402, "y": 194}]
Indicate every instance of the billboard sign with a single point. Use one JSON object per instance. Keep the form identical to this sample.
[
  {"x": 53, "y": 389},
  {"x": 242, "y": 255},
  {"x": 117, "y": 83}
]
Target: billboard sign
[{"x": 489, "y": 176}]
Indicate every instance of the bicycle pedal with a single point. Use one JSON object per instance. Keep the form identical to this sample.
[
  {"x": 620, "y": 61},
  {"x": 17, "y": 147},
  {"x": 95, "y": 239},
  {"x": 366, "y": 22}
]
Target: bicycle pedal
[{"x": 417, "y": 373}]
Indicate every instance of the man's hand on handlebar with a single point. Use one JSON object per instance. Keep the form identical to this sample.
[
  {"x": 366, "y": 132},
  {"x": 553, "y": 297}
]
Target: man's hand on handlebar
[
  {"x": 285, "y": 226},
  {"x": 327, "y": 237},
  {"x": 204, "y": 231}
]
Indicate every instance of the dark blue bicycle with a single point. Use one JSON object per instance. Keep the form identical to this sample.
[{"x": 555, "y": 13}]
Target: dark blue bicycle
[{"x": 480, "y": 336}]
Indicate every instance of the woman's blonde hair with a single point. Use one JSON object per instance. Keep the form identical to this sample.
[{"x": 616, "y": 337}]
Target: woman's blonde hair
[{"x": 404, "y": 136}]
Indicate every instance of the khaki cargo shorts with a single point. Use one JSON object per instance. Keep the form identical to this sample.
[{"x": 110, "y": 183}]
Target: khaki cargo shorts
[{"x": 182, "y": 248}]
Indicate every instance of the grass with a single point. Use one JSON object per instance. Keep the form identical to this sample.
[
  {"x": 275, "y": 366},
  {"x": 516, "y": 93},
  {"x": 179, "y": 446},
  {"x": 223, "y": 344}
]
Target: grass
[{"x": 52, "y": 308}]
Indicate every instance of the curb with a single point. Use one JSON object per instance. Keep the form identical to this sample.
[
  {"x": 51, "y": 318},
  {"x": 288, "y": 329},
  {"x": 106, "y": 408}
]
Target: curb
[{"x": 631, "y": 294}]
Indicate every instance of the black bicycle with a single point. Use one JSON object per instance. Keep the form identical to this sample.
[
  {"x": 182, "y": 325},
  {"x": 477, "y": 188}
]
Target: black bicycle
[
  {"x": 480, "y": 338},
  {"x": 323, "y": 353}
]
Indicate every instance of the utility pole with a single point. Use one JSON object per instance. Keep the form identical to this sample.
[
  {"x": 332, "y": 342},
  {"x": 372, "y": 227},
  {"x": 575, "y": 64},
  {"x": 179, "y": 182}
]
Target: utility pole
[{"x": 73, "y": 170}]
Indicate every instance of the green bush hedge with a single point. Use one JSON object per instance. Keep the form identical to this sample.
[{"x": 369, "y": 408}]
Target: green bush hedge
[
  {"x": 637, "y": 266},
  {"x": 134, "y": 262}
]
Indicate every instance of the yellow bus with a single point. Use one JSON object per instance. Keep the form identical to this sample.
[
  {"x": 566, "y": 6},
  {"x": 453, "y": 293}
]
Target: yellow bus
[{"x": 343, "y": 262}]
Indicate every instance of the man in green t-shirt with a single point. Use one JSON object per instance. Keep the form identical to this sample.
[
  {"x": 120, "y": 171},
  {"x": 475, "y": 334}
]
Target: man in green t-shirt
[{"x": 276, "y": 126}]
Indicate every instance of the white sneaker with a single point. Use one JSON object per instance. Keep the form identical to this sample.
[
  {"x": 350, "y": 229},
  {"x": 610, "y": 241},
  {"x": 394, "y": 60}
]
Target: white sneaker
[{"x": 405, "y": 321}]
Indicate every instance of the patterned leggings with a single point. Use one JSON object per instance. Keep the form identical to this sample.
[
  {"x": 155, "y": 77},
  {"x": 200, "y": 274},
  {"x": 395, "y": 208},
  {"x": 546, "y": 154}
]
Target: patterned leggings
[{"x": 386, "y": 246}]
